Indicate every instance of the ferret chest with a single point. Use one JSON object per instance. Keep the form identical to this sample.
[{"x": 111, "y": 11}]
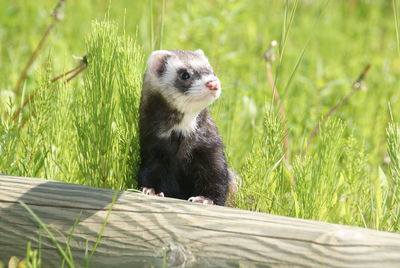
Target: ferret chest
[{"x": 179, "y": 148}]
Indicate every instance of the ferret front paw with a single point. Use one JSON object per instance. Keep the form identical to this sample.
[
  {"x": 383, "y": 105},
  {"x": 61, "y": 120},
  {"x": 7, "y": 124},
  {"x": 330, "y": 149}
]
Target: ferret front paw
[
  {"x": 201, "y": 199},
  {"x": 151, "y": 191}
]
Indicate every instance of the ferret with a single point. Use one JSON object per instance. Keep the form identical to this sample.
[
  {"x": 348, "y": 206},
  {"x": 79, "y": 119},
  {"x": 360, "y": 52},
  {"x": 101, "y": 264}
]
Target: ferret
[{"x": 182, "y": 153}]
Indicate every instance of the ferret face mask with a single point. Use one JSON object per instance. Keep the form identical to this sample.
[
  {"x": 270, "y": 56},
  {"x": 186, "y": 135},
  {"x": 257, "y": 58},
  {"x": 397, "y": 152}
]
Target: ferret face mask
[{"x": 185, "y": 78}]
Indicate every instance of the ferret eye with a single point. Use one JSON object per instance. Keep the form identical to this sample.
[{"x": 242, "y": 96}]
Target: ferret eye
[{"x": 185, "y": 76}]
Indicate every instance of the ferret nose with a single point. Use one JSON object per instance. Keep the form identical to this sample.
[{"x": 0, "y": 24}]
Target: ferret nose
[{"x": 212, "y": 85}]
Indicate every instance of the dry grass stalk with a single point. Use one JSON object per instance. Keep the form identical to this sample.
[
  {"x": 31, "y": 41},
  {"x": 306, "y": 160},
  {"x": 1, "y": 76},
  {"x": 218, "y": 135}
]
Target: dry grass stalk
[
  {"x": 75, "y": 71},
  {"x": 269, "y": 57},
  {"x": 57, "y": 15},
  {"x": 356, "y": 86}
]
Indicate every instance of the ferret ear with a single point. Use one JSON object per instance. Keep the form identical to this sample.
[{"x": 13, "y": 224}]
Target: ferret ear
[
  {"x": 157, "y": 61},
  {"x": 200, "y": 52}
]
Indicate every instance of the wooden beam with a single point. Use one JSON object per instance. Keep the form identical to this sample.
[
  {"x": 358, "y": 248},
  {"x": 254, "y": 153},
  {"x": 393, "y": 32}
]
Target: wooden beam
[{"x": 143, "y": 231}]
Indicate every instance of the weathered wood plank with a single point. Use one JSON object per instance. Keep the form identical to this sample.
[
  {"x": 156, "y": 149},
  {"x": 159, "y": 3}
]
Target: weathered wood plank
[{"x": 144, "y": 231}]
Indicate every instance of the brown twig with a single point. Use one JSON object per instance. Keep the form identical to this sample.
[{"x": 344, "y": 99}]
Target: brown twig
[
  {"x": 81, "y": 69},
  {"x": 269, "y": 57},
  {"x": 56, "y": 15},
  {"x": 23, "y": 123},
  {"x": 64, "y": 74},
  {"x": 356, "y": 86},
  {"x": 75, "y": 71},
  {"x": 18, "y": 112}
]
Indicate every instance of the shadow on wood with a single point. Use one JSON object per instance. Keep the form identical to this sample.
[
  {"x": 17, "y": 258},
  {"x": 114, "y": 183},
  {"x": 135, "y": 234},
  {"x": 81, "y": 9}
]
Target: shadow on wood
[{"x": 145, "y": 231}]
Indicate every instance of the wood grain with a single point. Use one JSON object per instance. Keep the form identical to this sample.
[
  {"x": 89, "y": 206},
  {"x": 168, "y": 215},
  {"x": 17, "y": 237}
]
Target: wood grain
[{"x": 145, "y": 231}]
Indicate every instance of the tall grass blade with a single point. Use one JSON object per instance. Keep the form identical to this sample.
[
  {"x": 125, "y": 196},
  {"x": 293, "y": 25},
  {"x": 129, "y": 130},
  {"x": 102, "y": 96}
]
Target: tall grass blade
[
  {"x": 396, "y": 24},
  {"x": 65, "y": 255},
  {"x": 103, "y": 227}
]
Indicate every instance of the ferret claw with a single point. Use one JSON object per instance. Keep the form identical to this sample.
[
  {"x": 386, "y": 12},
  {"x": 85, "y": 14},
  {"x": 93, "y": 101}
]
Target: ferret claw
[
  {"x": 151, "y": 191},
  {"x": 201, "y": 199}
]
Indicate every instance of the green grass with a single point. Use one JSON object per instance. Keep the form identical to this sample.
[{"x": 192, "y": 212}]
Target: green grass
[
  {"x": 33, "y": 257},
  {"x": 85, "y": 131}
]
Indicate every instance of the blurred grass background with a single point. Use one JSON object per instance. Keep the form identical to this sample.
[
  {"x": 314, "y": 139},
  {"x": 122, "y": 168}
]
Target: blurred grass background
[{"x": 85, "y": 131}]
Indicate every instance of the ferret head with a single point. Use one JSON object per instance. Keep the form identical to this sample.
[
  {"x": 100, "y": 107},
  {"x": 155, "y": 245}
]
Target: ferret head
[{"x": 184, "y": 78}]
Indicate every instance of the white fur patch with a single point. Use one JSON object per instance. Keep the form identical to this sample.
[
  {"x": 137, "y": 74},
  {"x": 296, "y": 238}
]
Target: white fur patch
[{"x": 187, "y": 125}]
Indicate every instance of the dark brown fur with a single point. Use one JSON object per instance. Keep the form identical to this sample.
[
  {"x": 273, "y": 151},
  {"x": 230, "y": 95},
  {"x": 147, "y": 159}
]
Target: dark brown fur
[{"x": 181, "y": 166}]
